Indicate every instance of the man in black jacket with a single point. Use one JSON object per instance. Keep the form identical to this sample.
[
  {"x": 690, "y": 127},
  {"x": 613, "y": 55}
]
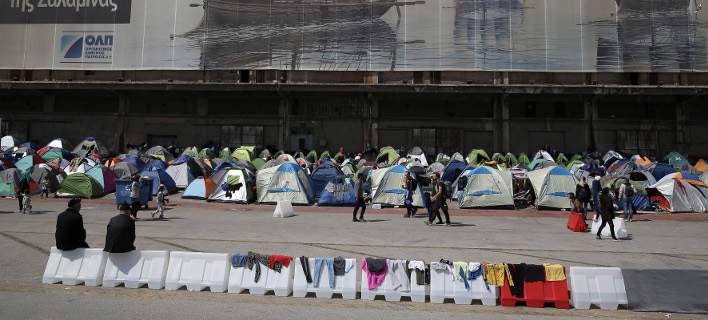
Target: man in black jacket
[
  {"x": 120, "y": 235},
  {"x": 607, "y": 213},
  {"x": 70, "y": 233}
]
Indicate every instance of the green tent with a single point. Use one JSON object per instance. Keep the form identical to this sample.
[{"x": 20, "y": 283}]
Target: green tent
[
  {"x": 511, "y": 159},
  {"x": 442, "y": 158},
  {"x": 251, "y": 149},
  {"x": 477, "y": 156},
  {"x": 524, "y": 159},
  {"x": 56, "y": 153},
  {"x": 339, "y": 157},
  {"x": 264, "y": 154},
  {"x": 325, "y": 154},
  {"x": 225, "y": 153},
  {"x": 242, "y": 154},
  {"x": 258, "y": 163},
  {"x": 561, "y": 159},
  {"x": 575, "y": 157},
  {"x": 387, "y": 157},
  {"x": 499, "y": 158},
  {"x": 677, "y": 160},
  {"x": 192, "y": 152},
  {"x": 574, "y": 162},
  {"x": 79, "y": 185},
  {"x": 312, "y": 156}
]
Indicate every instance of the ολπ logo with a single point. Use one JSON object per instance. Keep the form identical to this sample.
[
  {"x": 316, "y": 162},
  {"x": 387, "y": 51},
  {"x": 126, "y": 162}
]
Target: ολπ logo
[{"x": 72, "y": 46}]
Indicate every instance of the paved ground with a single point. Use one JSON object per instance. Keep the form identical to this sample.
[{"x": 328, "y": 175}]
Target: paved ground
[{"x": 657, "y": 241}]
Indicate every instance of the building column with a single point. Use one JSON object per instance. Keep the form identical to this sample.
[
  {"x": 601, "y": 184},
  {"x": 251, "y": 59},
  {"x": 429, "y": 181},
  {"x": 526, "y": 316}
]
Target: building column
[
  {"x": 589, "y": 117},
  {"x": 123, "y": 108},
  {"x": 284, "y": 122},
  {"x": 371, "y": 131},
  {"x": 680, "y": 124},
  {"x": 502, "y": 127}
]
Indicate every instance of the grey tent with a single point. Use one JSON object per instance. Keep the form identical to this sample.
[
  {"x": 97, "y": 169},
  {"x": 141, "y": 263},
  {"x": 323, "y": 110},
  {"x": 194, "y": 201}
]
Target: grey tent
[{"x": 124, "y": 170}]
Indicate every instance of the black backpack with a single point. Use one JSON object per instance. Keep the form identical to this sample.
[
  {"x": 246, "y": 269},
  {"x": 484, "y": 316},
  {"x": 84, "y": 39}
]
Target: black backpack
[{"x": 628, "y": 191}]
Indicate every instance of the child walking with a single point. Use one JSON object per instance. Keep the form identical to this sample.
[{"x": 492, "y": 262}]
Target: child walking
[
  {"x": 26, "y": 203},
  {"x": 161, "y": 202}
]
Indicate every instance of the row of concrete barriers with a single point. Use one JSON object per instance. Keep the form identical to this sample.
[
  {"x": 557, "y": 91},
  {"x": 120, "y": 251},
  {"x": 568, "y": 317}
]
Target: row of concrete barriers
[{"x": 197, "y": 271}]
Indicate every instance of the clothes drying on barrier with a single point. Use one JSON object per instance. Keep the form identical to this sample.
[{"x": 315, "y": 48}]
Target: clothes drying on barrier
[
  {"x": 400, "y": 277},
  {"x": 494, "y": 274},
  {"x": 254, "y": 260},
  {"x": 337, "y": 266},
  {"x": 375, "y": 271},
  {"x": 554, "y": 272},
  {"x": 422, "y": 272}
]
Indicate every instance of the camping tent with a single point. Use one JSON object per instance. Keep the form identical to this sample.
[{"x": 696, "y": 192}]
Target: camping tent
[
  {"x": 40, "y": 171},
  {"x": 416, "y": 153},
  {"x": 27, "y": 162},
  {"x": 387, "y": 157},
  {"x": 10, "y": 182},
  {"x": 160, "y": 152},
  {"x": 79, "y": 185},
  {"x": 60, "y": 144},
  {"x": 232, "y": 185},
  {"x": 199, "y": 188},
  {"x": 477, "y": 156},
  {"x": 487, "y": 187},
  {"x": 49, "y": 153},
  {"x": 258, "y": 163},
  {"x": 679, "y": 192},
  {"x": 552, "y": 186},
  {"x": 242, "y": 154},
  {"x": 104, "y": 177},
  {"x": 677, "y": 160},
  {"x": 183, "y": 170},
  {"x": 338, "y": 193},
  {"x": 389, "y": 190},
  {"x": 542, "y": 154},
  {"x": 442, "y": 158},
  {"x": 662, "y": 169},
  {"x": 8, "y": 143},
  {"x": 327, "y": 172},
  {"x": 540, "y": 163},
  {"x": 523, "y": 159},
  {"x": 436, "y": 167},
  {"x": 286, "y": 181},
  {"x": 511, "y": 159},
  {"x": 90, "y": 146},
  {"x": 452, "y": 171},
  {"x": 124, "y": 171},
  {"x": 158, "y": 177},
  {"x": 610, "y": 157},
  {"x": 155, "y": 164},
  {"x": 312, "y": 156}
]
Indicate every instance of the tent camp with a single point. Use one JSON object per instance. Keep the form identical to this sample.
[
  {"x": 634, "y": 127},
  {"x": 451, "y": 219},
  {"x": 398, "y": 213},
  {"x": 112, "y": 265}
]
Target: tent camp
[
  {"x": 158, "y": 177},
  {"x": 232, "y": 185},
  {"x": 41, "y": 171},
  {"x": 183, "y": 170},
  {"x": 78, "y": 165},
  {"x": 27, "y": 162},
  {"x": 104, "y": 177},
  {"x": 200, "y": 188},
  {"x": 610, "y": 157},
  {"x": 242, "y": 154},
  {"x": 160, "y": 152},
  {"x": 327, "y": 172},
  {"x": 487, "y": 187},
  {"x": 49, "y": 153},
  {"x": 387, "y": 157},
  {"x": 416, "y": 153},
  {"x": 542, "y": 154},
  {"x": 79, "y": 185},
  {"x": 523, "y": 159},
  {"x": 436, "y": 167},
  {"x": 679, "y": 192},
  {"x": 338, "y": 193},
  {"x": 90, "y": 146},
  {"x": 477, "y": 156},
  {"x": 389, "y": 190},
  {"x": 552, "y": 186},
  {"x": 286, "y": 181},
  {"x": 258, "y": 163}
]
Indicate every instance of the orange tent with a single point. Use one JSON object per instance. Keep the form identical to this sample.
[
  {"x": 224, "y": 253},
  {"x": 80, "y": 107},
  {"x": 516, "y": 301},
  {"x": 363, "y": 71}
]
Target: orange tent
[{"x": 701, "y": 165}]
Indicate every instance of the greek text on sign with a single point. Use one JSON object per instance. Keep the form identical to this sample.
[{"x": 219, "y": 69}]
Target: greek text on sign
[{"x": 65, "y": 11}]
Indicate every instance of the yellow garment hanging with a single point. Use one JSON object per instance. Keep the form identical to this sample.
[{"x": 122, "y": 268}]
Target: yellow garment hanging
[
  {"x": 494, "y": 274},
  {"x": 554, "y": 272}
]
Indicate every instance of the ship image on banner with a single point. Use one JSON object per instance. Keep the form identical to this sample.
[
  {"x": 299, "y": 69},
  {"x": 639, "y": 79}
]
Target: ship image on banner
[{"x": 86, "y": 47}]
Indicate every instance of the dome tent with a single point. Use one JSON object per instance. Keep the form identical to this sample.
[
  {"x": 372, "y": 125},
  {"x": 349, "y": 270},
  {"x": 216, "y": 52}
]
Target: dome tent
[
  {"x": 487, "y": 187},
  {"x": 552, "y": 186}
]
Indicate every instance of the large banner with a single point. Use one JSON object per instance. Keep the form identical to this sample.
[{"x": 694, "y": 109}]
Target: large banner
[{"x": 351, "y": 35}]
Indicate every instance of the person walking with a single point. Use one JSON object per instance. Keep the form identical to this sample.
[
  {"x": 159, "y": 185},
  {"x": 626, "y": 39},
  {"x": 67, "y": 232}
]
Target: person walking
[
  {"x": 439, "y": 201},
  {"x": 360, "y": 198},
  {"x": 70, "y": 233},
  {"x": 582, "y": 194},
  {"x": 596, "y": 190},
  {"x": 26, "y": 204},
  {"x": 135, "y": 197},
  {"x": 626, "y": 193},
  {"x": 120, "y": 232},
  {"x": 161, "y": 202},
  {"x": 607, "y": 214},
  {"x": 44, "y": 185},
  {"x": 409, "y": 184}
]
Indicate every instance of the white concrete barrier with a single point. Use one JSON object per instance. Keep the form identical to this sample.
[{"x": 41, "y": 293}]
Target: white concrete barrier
[
  {"x": 281, "y": 283},
  {"x": 602, "y": 287},
  {"x": 249, "y": 282},
  {"x": 74, "y": 267},
  {"x": 478, "y": 290},
  {"x": 620, "y": 228},
  {"x": 344, "y": 285},
  {"x": 236, "y": 279},
  {"x": 442, "y": 285},
  {"x": 416, "y": 293},
  {"x": 136, "y": 268},
  {"x": 198, "y": 271}
]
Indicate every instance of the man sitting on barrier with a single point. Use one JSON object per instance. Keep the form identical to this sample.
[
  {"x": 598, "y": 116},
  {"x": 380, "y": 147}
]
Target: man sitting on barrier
[
  {"x": 120, "y": 234},
  {"x": 70, "y": 233}
]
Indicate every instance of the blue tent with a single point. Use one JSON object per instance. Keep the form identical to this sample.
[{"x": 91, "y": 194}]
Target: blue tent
[
  {"x": 135, "y": 161},
  {"x": 159, "y": 176},
  {"x": 327, "y": 172},
  {"x": 453, "y": 170},
  {"x": 339, "y": 193},
  {"x": 661, "y": 170},
  {"x": 199, "y": 188},
  {"x": 30, "y": 145},
  {"x": 155, "y": 164}
]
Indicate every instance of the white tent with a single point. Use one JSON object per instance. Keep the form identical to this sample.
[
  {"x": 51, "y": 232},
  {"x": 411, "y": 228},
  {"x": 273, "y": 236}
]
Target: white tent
[
  {"x": 8, "y": 142},
  {"x": 60, "y": 143},
  {"x": 487, "y": 187},
  {"x": 682, "y": 195},
  {"x": 287, "y": 182},
  {"x": 543, "y": 155},
  {"x": 552, "y": 186},
  {"x": 390, "y": 189},
  {"x": 416, "y": 153},
  {"x": 231, "y": 177}
]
